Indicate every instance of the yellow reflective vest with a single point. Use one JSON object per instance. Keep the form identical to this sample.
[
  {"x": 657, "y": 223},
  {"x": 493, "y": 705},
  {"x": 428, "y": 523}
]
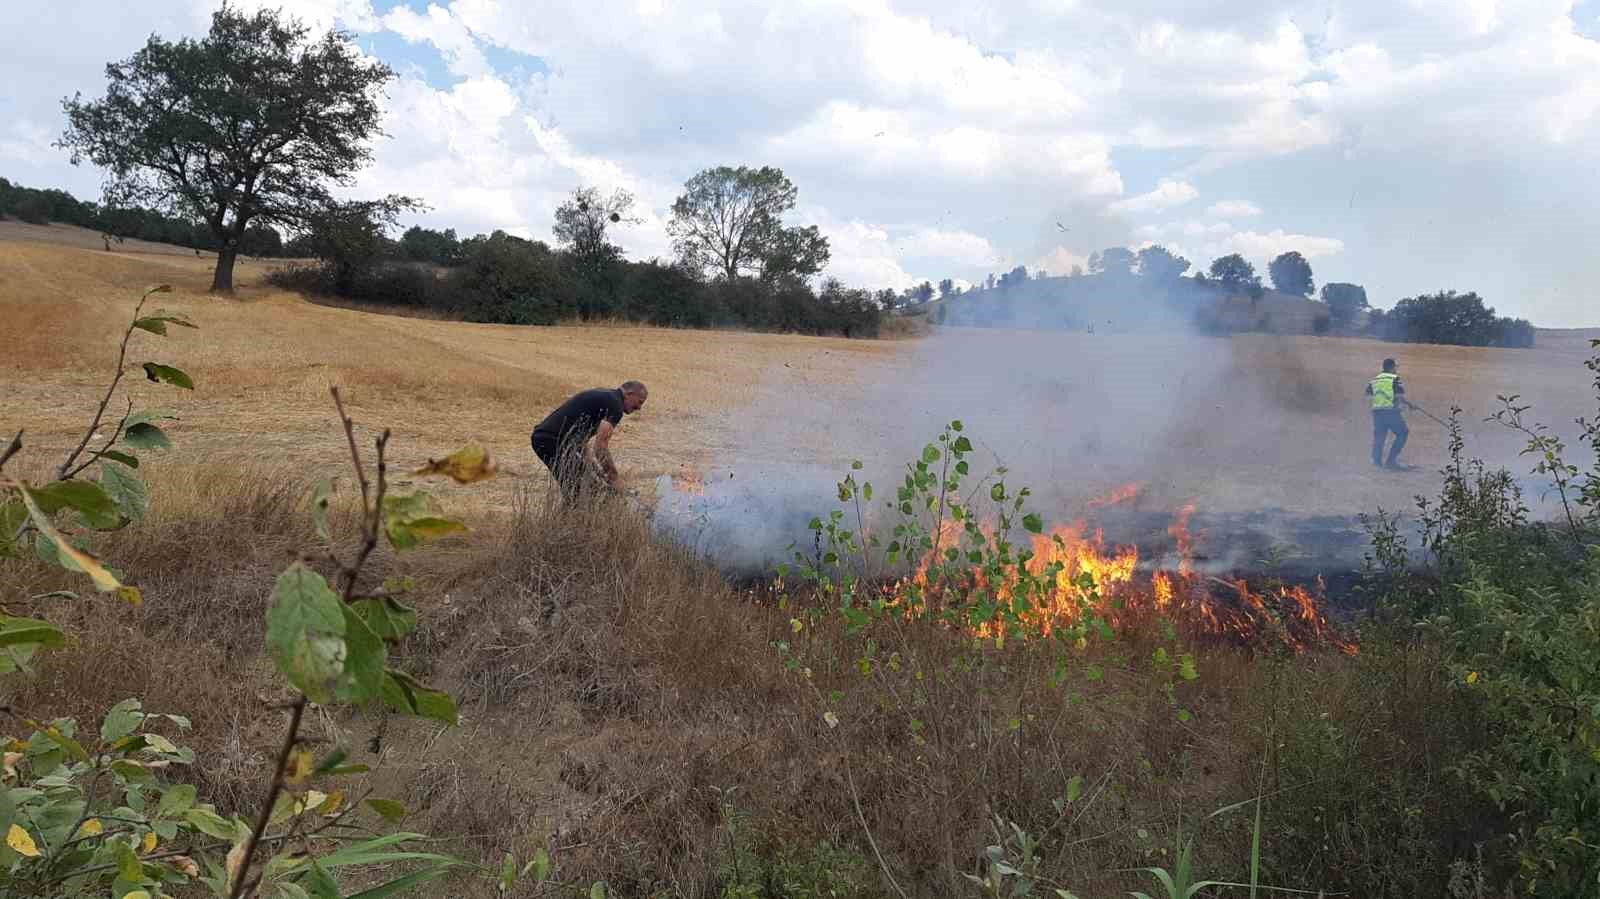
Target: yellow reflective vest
[{"x": 1382, "y": 389}]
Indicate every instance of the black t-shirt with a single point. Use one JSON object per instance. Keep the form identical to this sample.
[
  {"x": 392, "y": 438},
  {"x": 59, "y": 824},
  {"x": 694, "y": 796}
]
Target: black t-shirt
[{"x": 579, "y": 418}]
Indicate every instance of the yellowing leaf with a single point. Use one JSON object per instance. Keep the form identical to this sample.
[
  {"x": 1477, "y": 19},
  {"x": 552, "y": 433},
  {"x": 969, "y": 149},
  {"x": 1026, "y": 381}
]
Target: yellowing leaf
[
  {"x": 149, "y": 844},
  {"x": 235, "y": 862},
  {"x": 185, "y": 866},
  {"x": 11, "y": 759},
  {"x": 301, "y": 762},
  {"x": 160, "y": 743},
  {"x": 465, "y": 466},
  {"x": 104, "y": 581},
  {"x": 312, "y": 800},
  {"x": 332, "y": 805},
  {"x": 1472, "y": 677},
  {"x": 91, "y": 828},
  {"x": 130, "y": 595},
  {"x": 136, "y": 894},
  {"x": 21, "y": 841}
]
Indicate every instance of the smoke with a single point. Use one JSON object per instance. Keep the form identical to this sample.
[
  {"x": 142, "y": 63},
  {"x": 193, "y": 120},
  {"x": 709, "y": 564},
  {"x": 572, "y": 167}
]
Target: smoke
[{"x": 1267, "y": 436}]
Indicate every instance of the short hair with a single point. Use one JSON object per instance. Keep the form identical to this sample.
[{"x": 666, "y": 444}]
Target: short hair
[
  {"x": 635, "y": 388},
  {"x": 1388, "y": 365}
]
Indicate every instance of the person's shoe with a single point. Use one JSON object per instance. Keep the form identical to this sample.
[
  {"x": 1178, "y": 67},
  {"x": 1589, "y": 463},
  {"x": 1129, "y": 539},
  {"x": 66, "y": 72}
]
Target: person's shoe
[{"x": 1400, "y": 466}]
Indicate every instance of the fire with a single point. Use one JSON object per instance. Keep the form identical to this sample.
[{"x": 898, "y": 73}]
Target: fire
[
  {"x": 1127, "y": 597},
  {"x": 1125, "y": 493},
  {"x": 689, "y": 482}
]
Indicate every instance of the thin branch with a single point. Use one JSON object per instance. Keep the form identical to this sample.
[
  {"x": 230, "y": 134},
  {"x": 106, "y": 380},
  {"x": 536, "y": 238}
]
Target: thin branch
[
  {"x": 122, "y": 355},
  {"x": 882, "y": 865},
  {"x": 105, "y": 447},
  {"x": 12, "y": 450},
  {"x": 276, "y": 787}
]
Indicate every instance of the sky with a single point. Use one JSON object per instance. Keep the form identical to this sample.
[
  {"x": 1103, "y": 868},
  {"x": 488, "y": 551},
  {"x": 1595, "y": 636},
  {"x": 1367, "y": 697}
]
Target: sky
[{"x": 1405, "y": 145}]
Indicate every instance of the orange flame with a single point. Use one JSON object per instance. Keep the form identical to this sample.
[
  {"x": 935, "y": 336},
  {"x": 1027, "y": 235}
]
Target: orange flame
[{"x": 1124, "y": 598}]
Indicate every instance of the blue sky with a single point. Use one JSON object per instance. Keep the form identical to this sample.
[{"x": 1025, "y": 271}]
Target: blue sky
[{"x": 1406, "y": 146}]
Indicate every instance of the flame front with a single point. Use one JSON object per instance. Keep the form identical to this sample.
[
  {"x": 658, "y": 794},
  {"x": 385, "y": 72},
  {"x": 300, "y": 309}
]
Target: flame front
[{"x": 1126, "y": 598}]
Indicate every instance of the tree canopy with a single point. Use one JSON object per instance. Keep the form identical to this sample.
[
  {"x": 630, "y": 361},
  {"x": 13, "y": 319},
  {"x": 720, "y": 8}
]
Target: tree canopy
[
  {"x": 730, "y": 221},
  {"x": 1236, "y": 273},
  {"x": 1291, "y": 273},
  {"x": 1161, "y": 264},
  {"x": 254, "y": 122}
]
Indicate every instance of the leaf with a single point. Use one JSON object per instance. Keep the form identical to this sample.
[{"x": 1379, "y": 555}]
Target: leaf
[
  {"x": 123, "y": 719},
  {"x": 1075, "y": 788},
  {"x": 598, "y": 891},
  {"x": 409, "y": 519},
  {"x": 1033, "y": 523},
  {"x": 403, "y": 693},
  {"x": 156, "y": 322},
  {"x": 320, "y": 883},
  {"x": 157, "y": 373},
  {"x": 136, "y": 894},
  {"x": 29, "y": 632},
  {"x": 235, "y": 863},
  {"x": 298, "y": 767},
  {"x": 962, "y": 445},
  {"x": 176, "y": 801},
  {"x": 127, "y": 459},
  {"x": 211, "y": 824},
  {"x": 320, "y": 495},
  {"x": 364, "y": 660},
  {"x": 148, "y": 845},
  {"x": 1186, "y": 667},
  {"x": 184, "y": 865},
  {"x": 402, "y": 884},
  {"x": 539, "y": 865},
  {"x": 464, "y": 466},
  {"x": 91, "y": 828},
  {"x": 389, "y": 809},
  {"x": 998, "y": 493},
  {"x": 305, "y": 632},
  {"x": 21, "y": 841},
  {"x": 126, "y": 490},
  {"x": 146, "y": 436},
  {"x": 73, "y": 747},
  {"x": 161, "y": 744},
  {"x": 388, "y": 618},
  {"x": 87, "y": 498}
]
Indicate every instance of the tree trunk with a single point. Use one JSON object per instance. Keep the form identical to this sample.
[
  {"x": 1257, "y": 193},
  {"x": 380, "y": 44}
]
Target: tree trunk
[{"x": 222, "y": 281}]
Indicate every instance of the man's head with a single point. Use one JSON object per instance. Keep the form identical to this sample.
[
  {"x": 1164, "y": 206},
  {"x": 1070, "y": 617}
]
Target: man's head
[
  {"x": 633, "y": 396},
  {"x": 1388, "y": 365}
]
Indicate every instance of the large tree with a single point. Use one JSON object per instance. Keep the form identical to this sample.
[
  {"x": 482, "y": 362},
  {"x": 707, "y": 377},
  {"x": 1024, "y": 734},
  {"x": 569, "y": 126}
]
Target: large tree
[
  {"x": 1115, "y": 261},
  {"x": 1291, "y": 273},
  {"x": 581, "y": 227},
  {"x": 1345, "y": 301},
  {"x": 730, "y": 221},
  {"x": 1236, "y": 273},
  {"x": 255, "y": 122},
  {"x": 1161, "y": 265}
]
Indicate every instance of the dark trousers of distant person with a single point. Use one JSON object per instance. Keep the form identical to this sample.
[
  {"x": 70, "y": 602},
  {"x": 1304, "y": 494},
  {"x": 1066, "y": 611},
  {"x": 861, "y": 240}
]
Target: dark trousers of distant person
[
  {"x": 1384, "y": 423},
  {"x": 564, "y": 458}
]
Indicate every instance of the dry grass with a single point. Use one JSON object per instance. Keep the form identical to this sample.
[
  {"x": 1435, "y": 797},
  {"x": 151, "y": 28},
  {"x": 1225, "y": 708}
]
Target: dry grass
[{"x": 611, "y": 685}]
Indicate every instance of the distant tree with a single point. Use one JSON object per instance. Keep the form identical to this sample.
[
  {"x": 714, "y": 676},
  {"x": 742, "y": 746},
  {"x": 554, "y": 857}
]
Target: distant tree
[
  {"x": 1345, "y": 302},
  {"x": 1161, "y": 265},
  {"x": 988, "y": 283},
  {"x": 350, "y": 238},
  {"x": 1453, "y": 318},
  {"x": 1077, "y": 271},
  {"x": 420, "y": 244},
  {"x": 947, "y": 289},
  {"x": 1291, "y": 273},
  {"x": 252, "y": 122},
  {"x": 887, "y": 298},
  {"x": 1236, "y": 273},
  {"x": 1115, "y": 261},
  {"x": 1014, "y": 278},
  {"x": 730, "y": 221},
  {"x": 581, "y": 228},
  {"x": 923, "y": 292},
  {"x": 259, "y": 240}
]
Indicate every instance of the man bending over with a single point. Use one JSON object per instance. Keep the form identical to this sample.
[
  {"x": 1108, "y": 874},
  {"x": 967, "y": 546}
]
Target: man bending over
[{"x": 574, "y": 441}]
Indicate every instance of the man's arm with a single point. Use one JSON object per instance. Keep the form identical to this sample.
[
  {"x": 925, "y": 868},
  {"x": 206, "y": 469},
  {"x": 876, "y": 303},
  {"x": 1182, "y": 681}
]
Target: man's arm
[{"x": 600, "y": 447}]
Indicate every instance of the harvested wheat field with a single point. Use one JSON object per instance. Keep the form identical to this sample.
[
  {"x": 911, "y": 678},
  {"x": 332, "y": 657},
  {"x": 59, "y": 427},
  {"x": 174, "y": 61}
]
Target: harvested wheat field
[{"x": 625, "y": 708}]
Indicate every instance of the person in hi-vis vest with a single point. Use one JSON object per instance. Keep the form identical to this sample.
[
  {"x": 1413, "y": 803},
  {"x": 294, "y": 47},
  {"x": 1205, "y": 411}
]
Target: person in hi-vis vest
[{"x": 1387, "y": 394}]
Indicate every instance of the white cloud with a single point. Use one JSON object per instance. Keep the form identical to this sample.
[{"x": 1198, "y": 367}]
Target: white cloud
[
  {"x": 1059, "y": 261},
  {"x": 446, "y": 32},
  {"x": 1229, "y": 209},
  {"x": 1166, "y": 195}
]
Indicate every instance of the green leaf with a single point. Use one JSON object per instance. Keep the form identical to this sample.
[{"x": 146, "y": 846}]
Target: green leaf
[
  {"x": 365, "y": 655},
  {"x": 156, "y": 322},
  {"x": 598, "y": 891},
  {"x": 73, "y": 747},
  {"x": 150, "y": 416},
  {"x": 126, "y": 490},
  {"x": 1033, "y": 523},
  {"x": 388, "y": 808},
  {"x": 998, "y": 493},
  {"x": 930, "y": 454},
  {"x": 540, "y": 865},
  {"x": 211, "y": 824},
  {"x": 1186, "y": 667},
  {"x": 127, "y": 459},
  {"x": 319, "y": 883},
  {"x": 176, "y": 801},
  {"x": 388, "y": 618},
  {"x": 305, "y": 632},
  {"x": 320, "y": 495},
  {"x": 157, "y": 373},
  {"x": 87, "y": 498},
  {"x": 409, "y": 519},
  {"x": 145, "y": 436},
  {"x": 1075, "y": 788},
  {"x": 123, "y": 719},
  {"x": 403, "y": 693},
  {"x": 403, "y": 884},
  {"x": 962, "y": 445},
  {"x": 30, "y": 632}
]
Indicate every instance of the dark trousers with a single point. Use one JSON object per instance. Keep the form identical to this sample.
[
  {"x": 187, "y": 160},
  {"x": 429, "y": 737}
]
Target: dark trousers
[
  {"x": 565, "y": 461},
  {"x": 1384, "y": 423}
]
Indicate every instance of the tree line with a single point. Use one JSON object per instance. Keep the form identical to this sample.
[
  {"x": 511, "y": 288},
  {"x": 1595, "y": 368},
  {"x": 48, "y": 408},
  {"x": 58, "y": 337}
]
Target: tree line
[
  {"x": 1129, "y": 290},
  {"x": 41, "y": 206}
]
